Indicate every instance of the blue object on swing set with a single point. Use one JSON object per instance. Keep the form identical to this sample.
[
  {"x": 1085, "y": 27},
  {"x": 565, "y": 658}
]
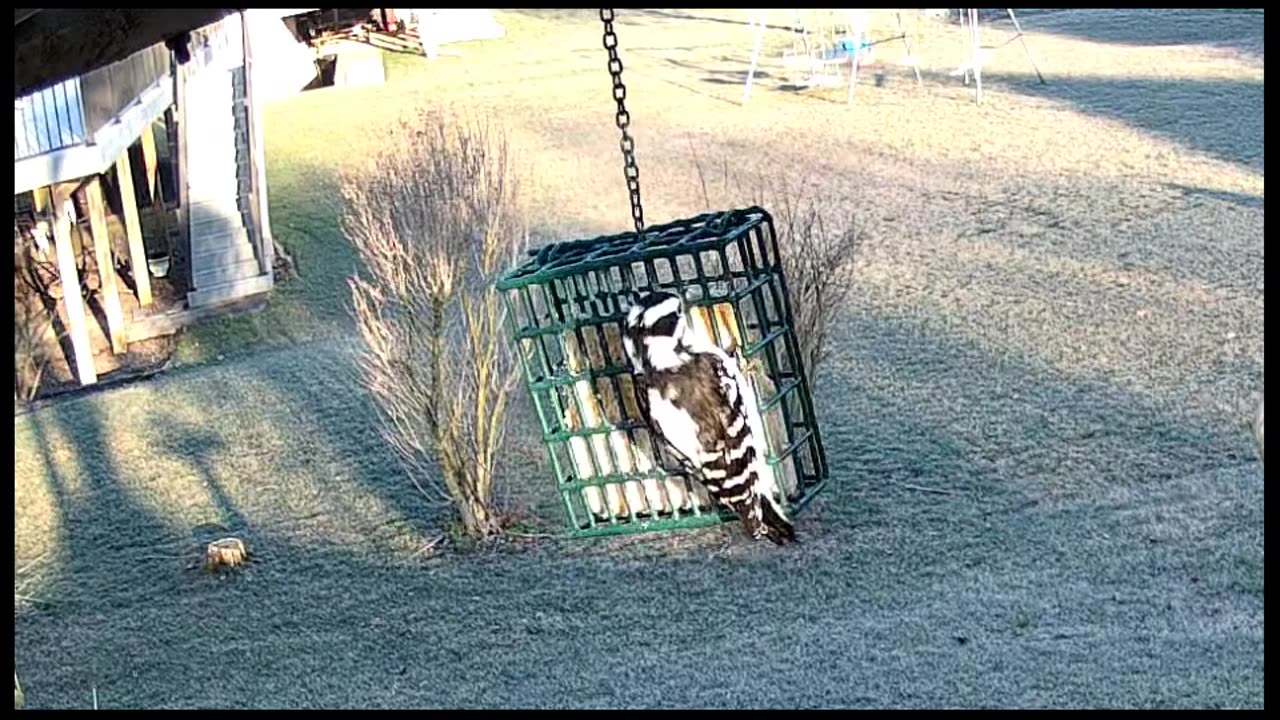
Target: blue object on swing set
[{"x": 847, "y": 48}]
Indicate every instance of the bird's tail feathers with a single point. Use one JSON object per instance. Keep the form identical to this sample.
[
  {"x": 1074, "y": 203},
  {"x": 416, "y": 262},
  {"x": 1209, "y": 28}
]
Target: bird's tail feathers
[{"x": 764, "y": 519}]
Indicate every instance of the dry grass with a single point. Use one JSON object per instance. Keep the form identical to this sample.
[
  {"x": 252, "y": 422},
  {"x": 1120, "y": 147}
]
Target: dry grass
[
  {"x": 435, "y": 218},
  {"x": 23, "y": 580}
]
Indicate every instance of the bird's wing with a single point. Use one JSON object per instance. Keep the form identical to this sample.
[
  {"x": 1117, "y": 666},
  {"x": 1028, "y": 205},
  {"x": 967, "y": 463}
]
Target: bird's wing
[
  {"x": 706, "y": 391},
  {"x": 721, "y": 401}
]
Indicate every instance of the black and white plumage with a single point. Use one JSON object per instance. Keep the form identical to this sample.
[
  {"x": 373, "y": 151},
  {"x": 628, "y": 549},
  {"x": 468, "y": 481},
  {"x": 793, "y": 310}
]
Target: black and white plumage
[{"x": 700, "y": 405}]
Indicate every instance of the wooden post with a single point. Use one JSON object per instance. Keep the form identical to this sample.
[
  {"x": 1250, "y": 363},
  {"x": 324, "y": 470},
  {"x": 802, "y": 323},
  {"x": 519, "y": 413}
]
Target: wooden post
[
  {"x": 179, "y": 151},
  {"x": 257, "y": 159},
  {"x": 40, "y": 200},
  {"x": 149, "y": 166},
  {"x": 71, "y": 288},
  {"x": 106, "y": 265},
  {"x": 133, "y": 229}
]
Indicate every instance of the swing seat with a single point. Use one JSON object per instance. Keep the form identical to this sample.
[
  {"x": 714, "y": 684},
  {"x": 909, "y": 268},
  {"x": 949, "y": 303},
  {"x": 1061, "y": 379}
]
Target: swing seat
[{"x": 797, "y": 60}]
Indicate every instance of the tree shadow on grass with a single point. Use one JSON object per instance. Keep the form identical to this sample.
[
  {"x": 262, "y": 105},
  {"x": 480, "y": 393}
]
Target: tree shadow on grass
[
  {"x": 200, "y": 446},
  {"x": 326, "y": 394},
  {"x": 1235, "y": 28},
  {"x": 104, "y": 553},
  {"x": 1220, "y": 118},
  {"x": 1015, "y": 594},
  {"x": 1252, "y": 202}
]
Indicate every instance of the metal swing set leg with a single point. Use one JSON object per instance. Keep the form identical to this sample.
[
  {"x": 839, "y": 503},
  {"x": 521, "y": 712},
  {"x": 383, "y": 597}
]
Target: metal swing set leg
[
  {"x": 755, "y": 54},
  {"x": 970, "y": 17},
  {"x": 906, "y": 42}
]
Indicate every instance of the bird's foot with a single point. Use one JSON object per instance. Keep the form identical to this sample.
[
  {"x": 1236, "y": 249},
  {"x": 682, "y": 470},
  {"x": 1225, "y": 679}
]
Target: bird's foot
[{"x": 751, "y": 367}]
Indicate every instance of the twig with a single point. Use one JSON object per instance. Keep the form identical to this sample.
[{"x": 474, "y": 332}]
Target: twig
[
  {"x": 29, "y": 565},
  {"x": 30, "y": 599},
  {"x": 428, "y": 546},
  {"x": 165, "y": 557},
  {"x": 922, "y": 488},
  {"x": 540, "y": 536},
  {"x": 702, "y": 180}
]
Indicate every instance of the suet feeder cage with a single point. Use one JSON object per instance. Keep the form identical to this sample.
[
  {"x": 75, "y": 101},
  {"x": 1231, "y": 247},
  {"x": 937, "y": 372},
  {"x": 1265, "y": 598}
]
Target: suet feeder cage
[{"x": 568, "y": 303}]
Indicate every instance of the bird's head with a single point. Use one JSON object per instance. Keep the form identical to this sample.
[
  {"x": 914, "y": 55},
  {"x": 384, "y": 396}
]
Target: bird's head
[{"x": 655, "y": 326}]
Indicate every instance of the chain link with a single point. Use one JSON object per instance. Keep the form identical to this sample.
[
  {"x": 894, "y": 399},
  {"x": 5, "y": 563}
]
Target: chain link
[{"x": 628, "y": 145}]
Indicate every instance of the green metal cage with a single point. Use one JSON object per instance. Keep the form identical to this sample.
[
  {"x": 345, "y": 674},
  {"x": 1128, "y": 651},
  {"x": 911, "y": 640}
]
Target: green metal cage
[{"x": 567, "y": 305}]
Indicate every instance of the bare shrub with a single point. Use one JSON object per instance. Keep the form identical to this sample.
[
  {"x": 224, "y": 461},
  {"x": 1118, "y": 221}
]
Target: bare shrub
[
  {"x": 817, "y": 237},
  {"x": 435, "y": 217},
  {"x": 32, "y": 329}
]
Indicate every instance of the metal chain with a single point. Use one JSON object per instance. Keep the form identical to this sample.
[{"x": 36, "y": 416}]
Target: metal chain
[{"x": 629, "y": 168}]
